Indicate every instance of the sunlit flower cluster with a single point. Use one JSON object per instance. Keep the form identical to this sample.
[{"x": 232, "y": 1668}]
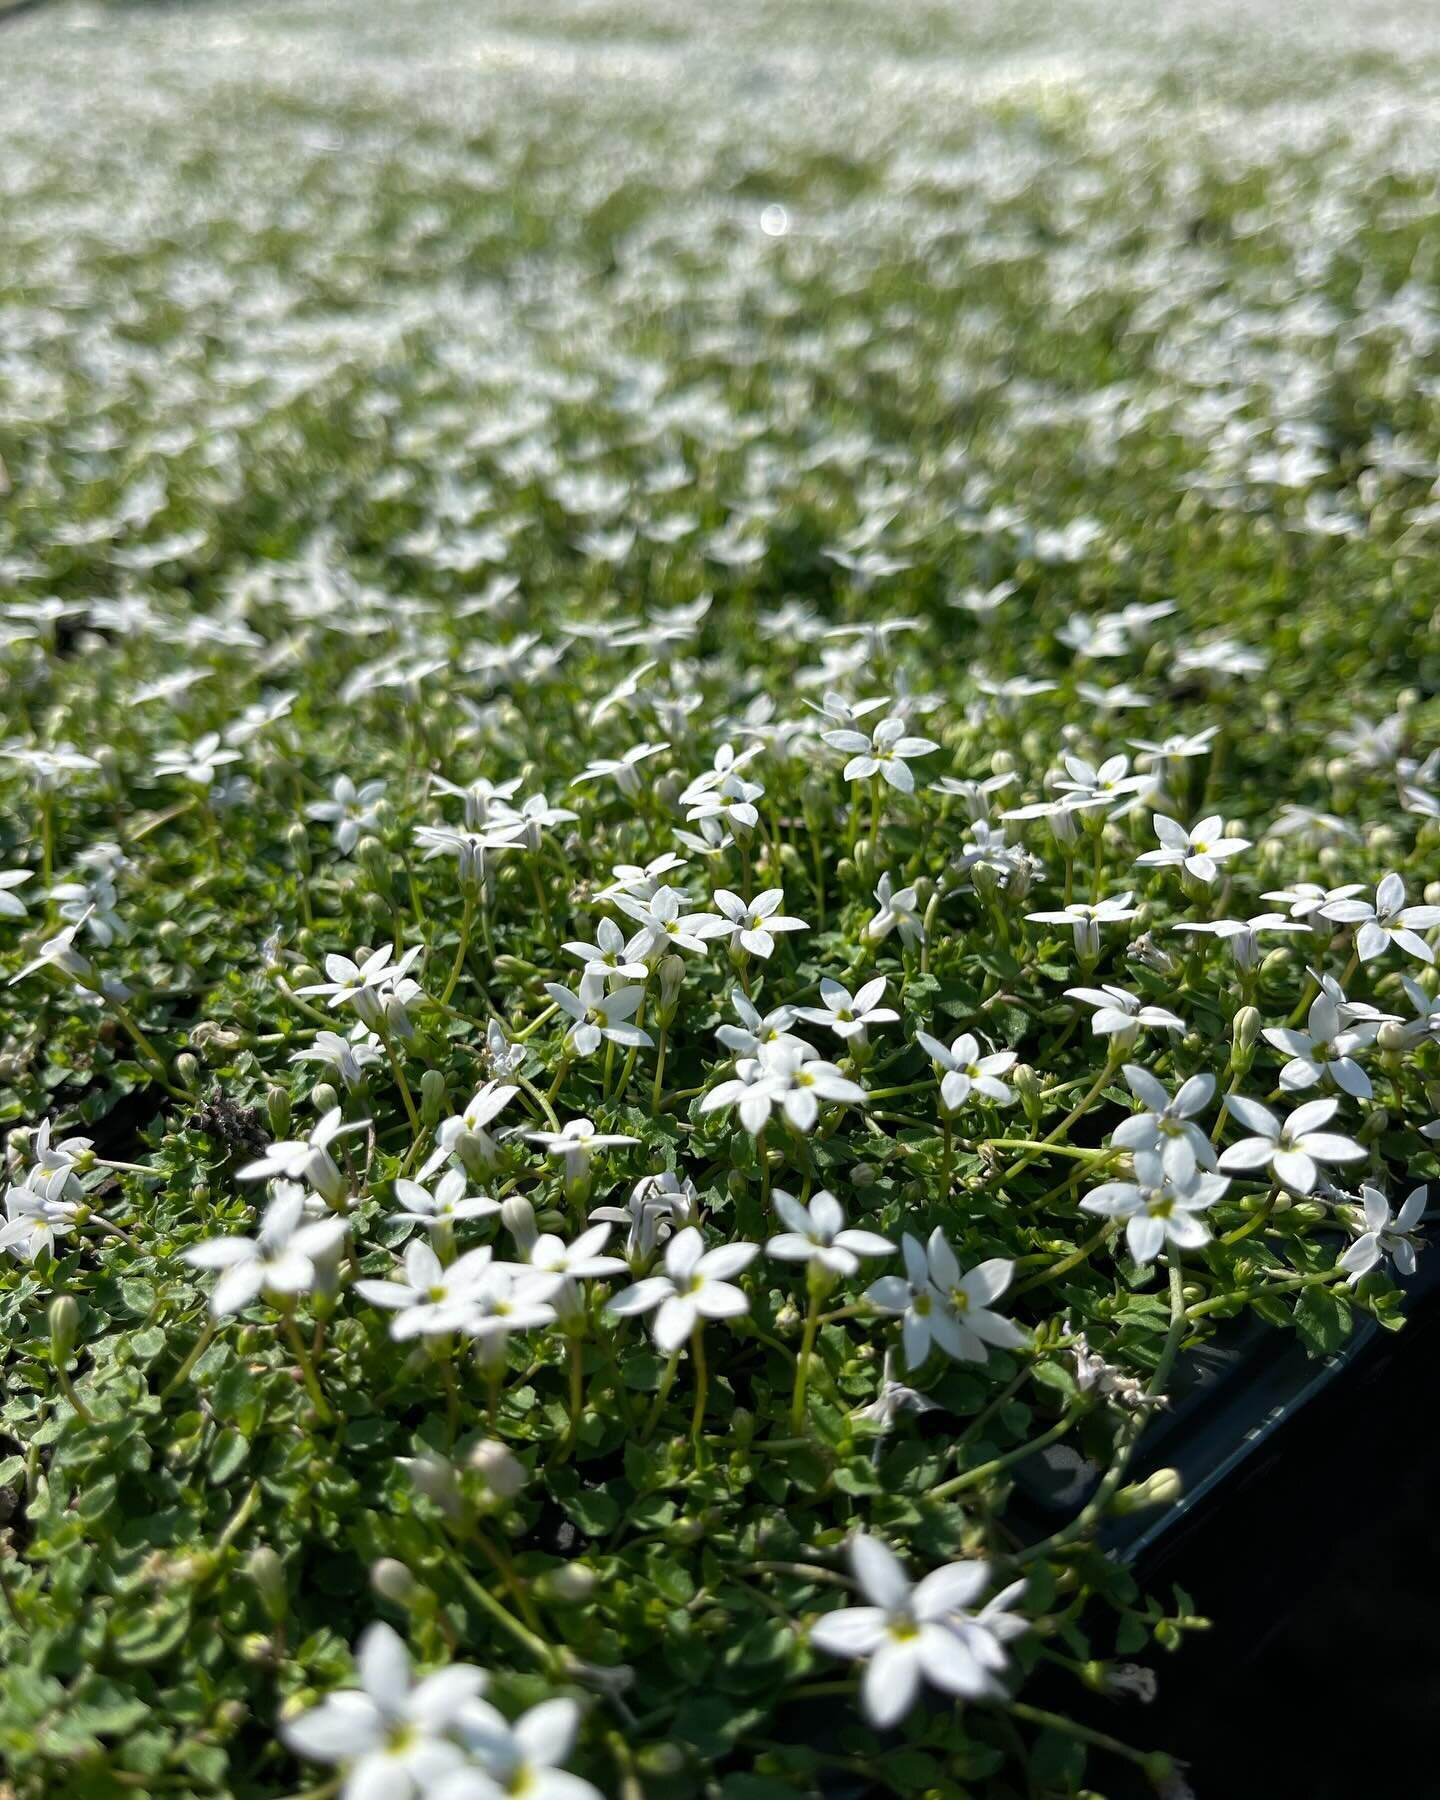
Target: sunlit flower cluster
[{"x": 712, "y": 821}]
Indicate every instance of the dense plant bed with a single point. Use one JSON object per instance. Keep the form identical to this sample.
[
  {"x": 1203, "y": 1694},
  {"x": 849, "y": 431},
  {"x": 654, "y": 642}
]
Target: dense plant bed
[{"x": 718, "y": 819}]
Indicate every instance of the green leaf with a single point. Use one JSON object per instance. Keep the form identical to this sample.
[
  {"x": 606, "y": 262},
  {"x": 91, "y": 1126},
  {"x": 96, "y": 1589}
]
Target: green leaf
[
  {"x": 1271, "y": 1308},
  {"x": 857, "y": 1477},
  {"x": 108, "y": 1708},
  {"x": 1322, "y": 1320},
  {"x": 96, "y": 1499},
  {"x": 228, "y": 1456},
  {"x": 1057, "y": 1760},
  {"x": 756, "y": 1787},
  {"x": 710, "y": 1724},
  {"x": 593, "y": 1511},
  {"x": 146, "y": 1346},
  {"x": 154, "y": 1634},
  {"x": 1052, "y": 1374}
]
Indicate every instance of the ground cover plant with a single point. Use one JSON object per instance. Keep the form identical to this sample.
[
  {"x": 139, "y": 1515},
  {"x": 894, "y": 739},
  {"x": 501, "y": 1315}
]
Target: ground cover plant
[{"x": 717, "y": 806}]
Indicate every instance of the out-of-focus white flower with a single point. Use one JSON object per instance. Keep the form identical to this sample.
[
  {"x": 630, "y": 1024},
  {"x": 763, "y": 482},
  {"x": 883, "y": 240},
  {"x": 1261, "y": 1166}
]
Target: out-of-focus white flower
[
  {"x": 349, "y": 810},
  {"x": 390, "y": 1734},
  {"x": 523, "y": 1758},
  {"x": 11, "y": 905},
  {"x": 278, "y": 1261}
]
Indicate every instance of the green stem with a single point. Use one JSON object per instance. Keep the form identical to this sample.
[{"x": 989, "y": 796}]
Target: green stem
[
  {"x": 1093, "y": 1167},
  {"x": 1218, "y": 1302},
  {"x": 1099, "y": 1740},
  {"x": 241, "y": 1517},
  {"x": 307, "y": 1371},
  {"x": 147, "y": 1050},
  {"x": 630, "y": 1060},
  {"x": 1066, "y": 1263},
  {"x": 576, "y": 1357},
  {"x": 702, "y": 1382},
  {"x": 659, "y": 1073},
  {"x": 560, "y": 1075},
  {"x": 1260, "y": 1219},
  {"x": 197, "y": 1350},
  {"x": 311, "y": 1012},
  {"x": 1222, "y": 1115},
  {"x": 466, "y": 918},
  {"x": 540, "y": 1099},
  {"x": 908, "y": 1087},
  {"x": 802, "y": 1362},
  {"x": 973, "y": 1477},
  {"x": 662, "y": 1394},
  {"x": 535, "y": 1024},
  {"x": 400, "y": 1081},
  {"x": 514, "y": 1585},
  {"x": 1080, "y": 1108},
  {"x": 543, "y": 1653},
  {"x": 845, "y": 1312},
  {"x": 544, "y": 901},
  {"x": 1083, "y": 1152},
  {"x": 47, "y": 839},
  {"x": 67, "y": 1388},
  {"x": 1128, "y": 1435},
  {"x": 855, "y": 792},
  {"x": 113, "y": 1229},
  {"x": 452, "y": 1398}
]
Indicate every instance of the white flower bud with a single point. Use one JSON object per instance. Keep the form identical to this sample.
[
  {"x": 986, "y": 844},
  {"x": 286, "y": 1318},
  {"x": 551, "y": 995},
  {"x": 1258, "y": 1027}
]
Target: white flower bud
[
  {"x": 394, "y": 1582},
  {"x": 517, "y": 1215},
  {"x": 1163, "y": 1488},
  {"x": 571, "y": 1584},
  {"x": 435, "y": 1479},
  {"x": 501, "y": 1472},
  {"x": 671, "y": 970}
]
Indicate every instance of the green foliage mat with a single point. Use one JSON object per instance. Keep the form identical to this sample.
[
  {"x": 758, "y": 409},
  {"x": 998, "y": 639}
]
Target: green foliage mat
[{"x": 901, "y": 541}]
